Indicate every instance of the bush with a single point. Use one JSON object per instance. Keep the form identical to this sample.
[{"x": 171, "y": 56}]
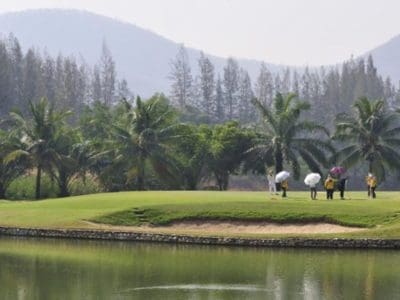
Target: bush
[
  {"x": 83, "y": 187},
  {"x": 23, "y": 188}
]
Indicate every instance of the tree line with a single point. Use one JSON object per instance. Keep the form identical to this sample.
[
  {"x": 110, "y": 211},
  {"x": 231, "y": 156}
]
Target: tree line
[
  {"x": 145, "y": 145},
  {"x": 66, "y": 82},
  {"x": 72, "y": 122},
  {"x": 215, "y": 97}
]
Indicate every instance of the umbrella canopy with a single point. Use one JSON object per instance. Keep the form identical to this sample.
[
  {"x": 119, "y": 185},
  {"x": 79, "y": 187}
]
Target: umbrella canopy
[
  {"x": 281, "y": 176},
  {"x": 312, "y": 179},
  {"x": 337, "y": 170}
]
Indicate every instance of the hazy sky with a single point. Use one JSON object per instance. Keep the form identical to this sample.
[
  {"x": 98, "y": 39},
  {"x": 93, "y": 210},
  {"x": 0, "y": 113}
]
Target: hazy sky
[{"x": 280, "y": 31}]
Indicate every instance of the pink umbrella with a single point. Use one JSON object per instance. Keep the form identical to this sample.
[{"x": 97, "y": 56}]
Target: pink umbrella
[{"x": 337, "y": 170}]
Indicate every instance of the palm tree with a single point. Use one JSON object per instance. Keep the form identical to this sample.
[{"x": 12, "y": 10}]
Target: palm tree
[
  {"x": 142, "y": 137},
  {"x": 38, "y": 136},
  {"x": 285, "y": 137},
  {"x": 69, "y": 160},
  {"x": 10, "y": 168},
  {"x": 371, "y": 135}
]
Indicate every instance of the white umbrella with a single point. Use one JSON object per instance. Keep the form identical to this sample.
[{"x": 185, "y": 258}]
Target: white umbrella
[
  {"x": 312, "y": 179},
  {"x": 281, "y": 176}
]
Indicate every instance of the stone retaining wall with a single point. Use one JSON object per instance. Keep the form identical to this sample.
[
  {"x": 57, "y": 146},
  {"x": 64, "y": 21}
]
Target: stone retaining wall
[{"x": 226, "y": 241}]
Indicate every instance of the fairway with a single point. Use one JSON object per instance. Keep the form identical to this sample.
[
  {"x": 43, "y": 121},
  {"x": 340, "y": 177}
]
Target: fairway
[{"x": 380, "y": 216}]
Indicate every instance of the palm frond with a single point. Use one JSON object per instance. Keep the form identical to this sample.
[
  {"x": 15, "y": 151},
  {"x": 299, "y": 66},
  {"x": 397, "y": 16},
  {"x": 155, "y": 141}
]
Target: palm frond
[
  {"x": 311, "y": 162},
  {"x": 267, "y": 114}
]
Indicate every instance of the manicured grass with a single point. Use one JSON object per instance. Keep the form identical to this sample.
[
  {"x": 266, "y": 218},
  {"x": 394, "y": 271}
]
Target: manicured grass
[{"x": 381, "y": 215}]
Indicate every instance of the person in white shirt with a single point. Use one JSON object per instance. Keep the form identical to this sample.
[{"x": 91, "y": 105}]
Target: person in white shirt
[{"x": 271, "y": 182}]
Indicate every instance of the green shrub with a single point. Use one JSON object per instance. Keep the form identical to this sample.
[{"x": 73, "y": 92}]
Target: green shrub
[
  {"x": 23, "y": 188},
  {"x": 90, "y": 186}
]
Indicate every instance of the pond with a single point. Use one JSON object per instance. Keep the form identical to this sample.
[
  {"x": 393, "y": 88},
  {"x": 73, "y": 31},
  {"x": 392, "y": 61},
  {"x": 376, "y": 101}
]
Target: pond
[{"x": 73, "y": 269}]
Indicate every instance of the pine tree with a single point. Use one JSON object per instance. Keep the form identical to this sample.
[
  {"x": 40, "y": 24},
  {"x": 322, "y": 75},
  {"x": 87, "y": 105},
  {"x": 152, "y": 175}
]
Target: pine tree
[
  {"x": 207, "y": 85},
  {"x": 83, "y": 84},
  {"x": 107, "y": 69},
  {"x": 277, "y": 84},
  {"x": 181, "y": 78},
  {"x": 374, "y": 83},
  {"x": 72, "y": 85},
  {"x": 264, "y": 87},
  {"x": 123, "y": 91},
  {"x": 33, "y": 84},
  {"x": 389, "y": 92},
  {"x": 295, "y": 83},
  {"x": 96, "y": 90},
  {"x": 359, "y": 88},
  {"x": 286, "y": 82},
  {"x": 17, "y": 72},
  {"x": 330, "y": 98},
  {"x": 219, "y": 102},
  {"x": 231, "y": 88},
  {"x": 347, "y": 84},
  {"x": 49, "y": 77},
  {"x": 5, "y": 80},
  {"x": 61, "y": 92},
  {"x": 305, "y": 89},
  {"x": 246, "y": 95}
]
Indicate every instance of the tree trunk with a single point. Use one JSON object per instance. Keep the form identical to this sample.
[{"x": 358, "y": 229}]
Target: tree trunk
[
  {"x": 278, "y": 160},
  {"x": 226, "y": 182},
  {"x": 38, "y": 182},
  {"x": 63, "y": 185},
  {"x": 191, "y": 185},
  {"x": 141, "y": 174},
  {"x": 278, "y": 165},
  {"x": 2, "y": 192},
  {"x": 222, "y": 180},
  {"x": 219, "y": 181}
]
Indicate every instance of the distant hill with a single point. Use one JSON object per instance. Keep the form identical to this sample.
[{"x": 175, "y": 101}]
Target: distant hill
[
  {"x": 142, "y": 57},
  {"x": 387, "y": 59}
]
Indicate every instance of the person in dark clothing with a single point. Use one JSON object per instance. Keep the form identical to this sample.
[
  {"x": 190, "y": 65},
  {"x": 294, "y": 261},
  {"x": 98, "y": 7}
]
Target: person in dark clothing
[
  {"x": 313, "y": 190},
  {"x": 342, "y": 187}
]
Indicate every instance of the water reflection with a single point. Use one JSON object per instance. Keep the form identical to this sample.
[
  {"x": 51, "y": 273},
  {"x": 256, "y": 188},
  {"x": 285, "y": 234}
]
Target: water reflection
[{"x": 62, "y": 269}]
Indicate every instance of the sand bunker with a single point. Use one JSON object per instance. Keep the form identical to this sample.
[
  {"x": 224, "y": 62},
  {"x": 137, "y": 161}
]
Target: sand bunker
[{"x": 235, "y": 227}]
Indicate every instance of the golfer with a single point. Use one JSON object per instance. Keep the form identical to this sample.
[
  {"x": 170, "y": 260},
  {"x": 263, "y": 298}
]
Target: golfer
[
  {"x": 342, "y": 187},
  {"x": 367, "y": 181},
  {"x": 284, "y": 187},
  {"x": 313, "y": 190},
  {"x": 373, "y": 182},
  {"x": 271, "y": 182},
  {"x": 329, "y": 186}
]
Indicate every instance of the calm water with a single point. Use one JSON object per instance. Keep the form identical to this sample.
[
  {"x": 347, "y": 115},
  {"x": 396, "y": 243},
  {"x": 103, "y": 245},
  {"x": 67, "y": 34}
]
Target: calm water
[{"x": 62, "y": 269}]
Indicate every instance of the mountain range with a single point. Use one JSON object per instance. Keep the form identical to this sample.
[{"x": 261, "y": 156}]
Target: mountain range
[{"x": 142, "y": 57}]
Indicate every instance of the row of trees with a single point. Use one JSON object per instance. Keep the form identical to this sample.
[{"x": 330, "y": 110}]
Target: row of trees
[
  {"x": 207, "y": 97},
  {"x": 65, "y": 82},
  {"x": 228, "y": 95},
  {"x": 144, "y": 145}
]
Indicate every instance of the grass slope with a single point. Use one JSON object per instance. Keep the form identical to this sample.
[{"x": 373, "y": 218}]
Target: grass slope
[{"x": 381, "y": 215}]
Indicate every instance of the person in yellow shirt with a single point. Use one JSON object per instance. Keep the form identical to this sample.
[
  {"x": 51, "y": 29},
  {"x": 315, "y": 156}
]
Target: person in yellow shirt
[
  {"x": 284, "y": 187},
  {"x": 368, "y": 181},
  {"x": 373, "y": 182},
  {"x": 330, "y": 187}
]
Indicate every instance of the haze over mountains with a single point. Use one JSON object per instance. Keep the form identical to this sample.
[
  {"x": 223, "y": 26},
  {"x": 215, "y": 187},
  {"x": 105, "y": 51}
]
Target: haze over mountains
[{"x": 141, "y": 56}]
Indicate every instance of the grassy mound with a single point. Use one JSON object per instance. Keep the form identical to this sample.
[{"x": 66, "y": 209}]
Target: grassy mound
[{"x": 381, "y": 215}]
